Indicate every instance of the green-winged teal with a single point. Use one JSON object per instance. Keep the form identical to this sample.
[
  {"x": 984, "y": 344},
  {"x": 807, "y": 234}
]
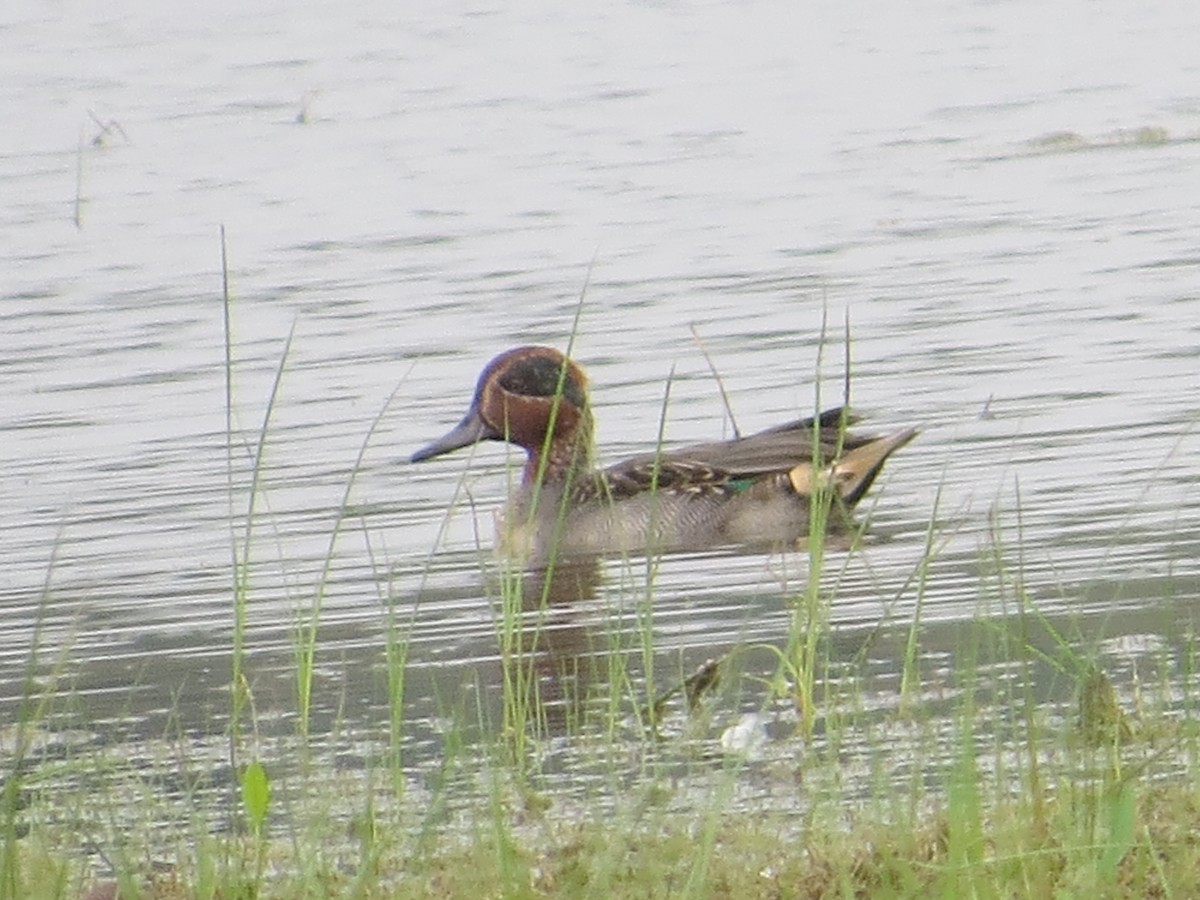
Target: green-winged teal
[{"x": 753, "y": 490}]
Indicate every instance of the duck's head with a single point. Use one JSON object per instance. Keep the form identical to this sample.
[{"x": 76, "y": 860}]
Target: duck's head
[{"x": 533, "y": 397}]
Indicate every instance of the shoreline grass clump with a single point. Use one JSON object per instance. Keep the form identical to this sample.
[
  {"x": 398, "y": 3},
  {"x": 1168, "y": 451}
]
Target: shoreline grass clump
[{"x": 1116, "y": 839}]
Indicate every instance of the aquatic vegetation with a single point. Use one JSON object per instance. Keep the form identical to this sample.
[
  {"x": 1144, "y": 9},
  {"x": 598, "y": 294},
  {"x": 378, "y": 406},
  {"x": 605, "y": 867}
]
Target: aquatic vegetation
[{"x": 1002, "y": 755}]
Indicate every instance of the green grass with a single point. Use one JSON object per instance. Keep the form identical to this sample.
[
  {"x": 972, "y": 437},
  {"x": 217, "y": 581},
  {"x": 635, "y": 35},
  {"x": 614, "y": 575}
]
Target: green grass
[
  {"x": 1003, "y": 795},
  {"x": 1023, "y": 773},
  {"x": 1108, "y": 840}
]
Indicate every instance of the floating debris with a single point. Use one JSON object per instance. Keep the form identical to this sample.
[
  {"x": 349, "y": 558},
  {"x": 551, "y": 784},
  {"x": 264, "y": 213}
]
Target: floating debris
[
  {"x": 746, "y": 737},
  {"x": 695, "y": 686}
]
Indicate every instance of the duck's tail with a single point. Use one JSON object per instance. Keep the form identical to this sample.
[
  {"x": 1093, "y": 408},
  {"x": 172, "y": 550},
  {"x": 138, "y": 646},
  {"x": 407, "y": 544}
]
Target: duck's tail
[{"x": 852, "y": 474}]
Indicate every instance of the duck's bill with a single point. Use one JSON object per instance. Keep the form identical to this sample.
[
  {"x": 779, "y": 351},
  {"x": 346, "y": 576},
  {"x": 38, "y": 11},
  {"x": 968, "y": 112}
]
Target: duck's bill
[{"x": 471, "y": 430}]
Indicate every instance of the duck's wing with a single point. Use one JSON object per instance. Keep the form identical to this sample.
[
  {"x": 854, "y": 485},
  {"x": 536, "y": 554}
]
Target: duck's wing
[
  {"x": 776, "y": 449},
  {"x": 730, "y": 466}
]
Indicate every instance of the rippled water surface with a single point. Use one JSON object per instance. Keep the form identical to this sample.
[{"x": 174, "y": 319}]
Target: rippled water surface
[{"x": 1000, "y": 199}]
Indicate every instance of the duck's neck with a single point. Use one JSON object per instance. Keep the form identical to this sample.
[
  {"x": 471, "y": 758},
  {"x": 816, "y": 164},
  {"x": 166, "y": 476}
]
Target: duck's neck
[{"x": 565, "y": 457}]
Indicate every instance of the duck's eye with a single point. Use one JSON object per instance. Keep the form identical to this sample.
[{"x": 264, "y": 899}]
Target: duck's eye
[{"x": 539, "y": 377}]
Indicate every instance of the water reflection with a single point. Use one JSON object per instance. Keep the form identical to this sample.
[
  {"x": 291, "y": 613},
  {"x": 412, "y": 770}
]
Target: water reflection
[
  {"x": 578, "y": 635},
  {"x": 567, "y": 652}
]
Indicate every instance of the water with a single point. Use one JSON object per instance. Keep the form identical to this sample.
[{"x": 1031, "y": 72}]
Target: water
[{"x": 1000, "y": 197}]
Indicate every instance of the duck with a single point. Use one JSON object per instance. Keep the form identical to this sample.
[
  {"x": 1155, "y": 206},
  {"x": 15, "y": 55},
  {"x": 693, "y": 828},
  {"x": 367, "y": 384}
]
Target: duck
[{"x": 756, "y": 491}]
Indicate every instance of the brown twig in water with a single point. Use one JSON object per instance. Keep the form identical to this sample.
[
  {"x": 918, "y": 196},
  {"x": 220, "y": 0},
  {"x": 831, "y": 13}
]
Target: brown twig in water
[
  {"x": 694, "y": 687},
  {"x": 106, "y": 128},
  {"x": 79, "y": 183}
]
